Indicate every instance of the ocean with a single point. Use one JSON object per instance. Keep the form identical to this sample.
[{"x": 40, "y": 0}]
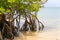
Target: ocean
[
  {"x": 49, "y": 12},
  {"x": 50, "y": 17}
]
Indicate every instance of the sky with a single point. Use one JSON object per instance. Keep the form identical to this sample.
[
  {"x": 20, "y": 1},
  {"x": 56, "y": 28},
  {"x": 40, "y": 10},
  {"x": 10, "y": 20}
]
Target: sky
[{"x": 52, "y": 3}]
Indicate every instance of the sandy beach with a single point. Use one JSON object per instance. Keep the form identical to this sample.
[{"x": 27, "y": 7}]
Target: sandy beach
[{"x": 50, "y": 32}]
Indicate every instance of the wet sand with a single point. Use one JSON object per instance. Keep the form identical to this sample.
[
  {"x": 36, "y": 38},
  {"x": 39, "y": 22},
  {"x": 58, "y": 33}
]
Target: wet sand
[
  {"x": 50, "y": 32},
  {"x": 48, "y": 35}
]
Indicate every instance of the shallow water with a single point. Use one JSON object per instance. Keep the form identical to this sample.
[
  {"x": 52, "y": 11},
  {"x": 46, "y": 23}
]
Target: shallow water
[
  {"x": 51, "y": 32},
  {"x": 50, "y": 17},
  {"x": 48, "y": 35}
]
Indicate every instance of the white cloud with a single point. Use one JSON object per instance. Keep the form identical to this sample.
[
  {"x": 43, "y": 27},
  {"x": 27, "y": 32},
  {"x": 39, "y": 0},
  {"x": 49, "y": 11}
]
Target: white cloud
[{"x": 52, "y": 3}]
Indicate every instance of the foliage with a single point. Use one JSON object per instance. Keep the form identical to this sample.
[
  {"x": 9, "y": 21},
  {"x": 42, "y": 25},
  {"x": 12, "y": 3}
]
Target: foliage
[
  {"x": 20, "y": 5},
  {"x": 24, "y": 7}
]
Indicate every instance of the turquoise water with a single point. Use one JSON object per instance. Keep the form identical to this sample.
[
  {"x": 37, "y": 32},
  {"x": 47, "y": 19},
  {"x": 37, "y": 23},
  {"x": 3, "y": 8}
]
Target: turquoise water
[{"x": 50, "y": 12}]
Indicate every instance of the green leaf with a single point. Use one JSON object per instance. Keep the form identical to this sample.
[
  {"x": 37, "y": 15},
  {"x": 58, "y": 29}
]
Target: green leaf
[
  {"x": 33, "y": 16},
  {"x": 8, "y": 11},
  {"x": 2, "y": 10},
  {"x": 11, "y": 1},
  {"x": 46, "y": 0}
]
